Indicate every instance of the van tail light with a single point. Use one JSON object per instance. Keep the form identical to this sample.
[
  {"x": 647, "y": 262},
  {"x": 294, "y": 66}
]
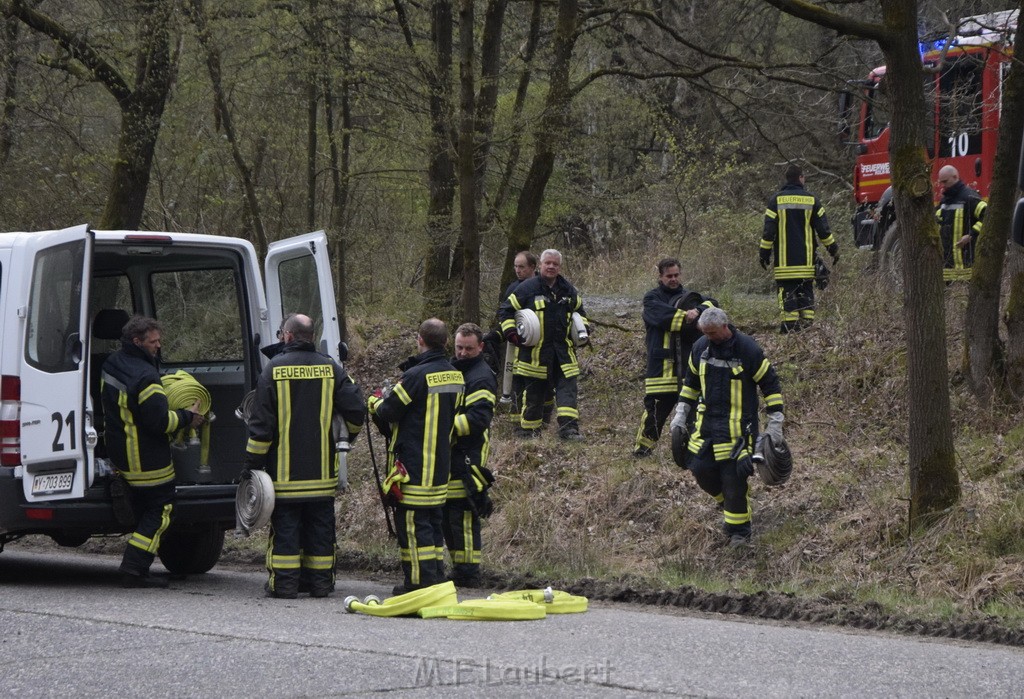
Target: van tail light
[{"x": 10, "y": 421}]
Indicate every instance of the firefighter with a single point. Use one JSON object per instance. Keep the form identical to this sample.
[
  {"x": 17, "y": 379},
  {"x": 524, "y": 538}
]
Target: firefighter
[
  {"x": 551, "y": 363},
  {"x": 525, "y": 266},
  {"x": 468, "y": 500},
  {"x": 138, "y": 427},
  {"x": 794, "y": 223},
  {"x": 961, "y": 216},
  {"x": 670, "y": 316},
  {"x": 421, "y": 413},
  {"x": 725, "y": 370},
  {"x": 297, "y": 397}
]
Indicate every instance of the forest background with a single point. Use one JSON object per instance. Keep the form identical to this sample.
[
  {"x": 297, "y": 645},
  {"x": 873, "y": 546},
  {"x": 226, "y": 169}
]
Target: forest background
[{"x": 432, "y": 140}]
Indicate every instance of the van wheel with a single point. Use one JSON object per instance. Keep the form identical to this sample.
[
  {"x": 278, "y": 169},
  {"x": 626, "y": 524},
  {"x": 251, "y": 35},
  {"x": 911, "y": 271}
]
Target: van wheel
[
  {"x": 69, "y": 539},
  {"x": 890, "y": 264},
  {"x": 191, "y": 551}
]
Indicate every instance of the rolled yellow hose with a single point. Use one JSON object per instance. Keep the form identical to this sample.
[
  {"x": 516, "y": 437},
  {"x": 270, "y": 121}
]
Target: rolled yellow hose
[
  {"x": 183, "y": 390},
  {"x": 407, "y": 604}
]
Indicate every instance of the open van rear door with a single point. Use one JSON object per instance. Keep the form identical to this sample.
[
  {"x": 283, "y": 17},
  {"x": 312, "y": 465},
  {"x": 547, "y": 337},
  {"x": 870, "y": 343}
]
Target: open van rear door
[
  {"x": 298, "y": 279},
  {"x": 56, "y": 434}
]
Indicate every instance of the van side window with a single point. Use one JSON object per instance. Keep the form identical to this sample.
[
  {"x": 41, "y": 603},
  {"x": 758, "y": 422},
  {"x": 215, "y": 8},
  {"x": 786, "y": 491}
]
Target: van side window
[
  {"x": 200, "y": 314},
  {"x": 55, "y": 307},
  {"x": 113, "y": 291},
  {"x": 300, "y": 292}
]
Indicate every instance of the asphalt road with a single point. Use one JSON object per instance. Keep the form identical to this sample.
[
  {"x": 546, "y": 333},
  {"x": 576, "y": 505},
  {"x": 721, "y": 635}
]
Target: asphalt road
[{"x": 67, "y": 629}]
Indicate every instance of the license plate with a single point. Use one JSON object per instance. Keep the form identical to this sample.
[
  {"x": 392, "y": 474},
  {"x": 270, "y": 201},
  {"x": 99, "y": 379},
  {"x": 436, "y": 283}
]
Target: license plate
[{"x": 52, "y": 483}]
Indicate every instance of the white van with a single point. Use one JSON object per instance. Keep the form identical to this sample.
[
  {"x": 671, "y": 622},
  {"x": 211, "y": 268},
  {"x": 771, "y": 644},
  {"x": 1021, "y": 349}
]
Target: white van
[{"x": 64, "y": 296}]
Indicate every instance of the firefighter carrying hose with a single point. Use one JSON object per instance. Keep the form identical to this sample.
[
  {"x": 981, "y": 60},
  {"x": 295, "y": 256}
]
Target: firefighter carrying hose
[
  {"x": 420, "y": 412},
  {"x": 670, "y": 316},
  {"x": 726, "y": 369},
  {"x": 551, "y": 363},
  {"x": 138, "y": 428},
  {"x": 794, "y": 222},
  {"x": 297, "y": 396}
]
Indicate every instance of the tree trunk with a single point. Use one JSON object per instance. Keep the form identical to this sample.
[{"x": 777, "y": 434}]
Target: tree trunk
[
  {"x": 312, "y": 108},
  {"x": 983, "y": 361},
  {"x": 252, "y": 208},
  {"x": 10, "y": 61},
  {"x": 549, "y": 135},
  {"x": 437, "y": 288},
  {"x": 934, "y": 484},
  {"x": 141, "y": 113},
  {"x": 469, "y": 185},
  {"x": 340, "y": 175}
]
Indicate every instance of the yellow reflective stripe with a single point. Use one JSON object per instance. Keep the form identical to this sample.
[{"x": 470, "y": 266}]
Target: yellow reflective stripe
[
  {"x": 766, "y": 244},
  {"x": 150, "y": 391},
  {"x": 143, "y": 479},
  {"x": 456, "y": 489},
  {"x": 326, "y": 402},
  {"x": 507, "y": 325},
  {"x": 736, "y": 517},
  {"x": 773, "y": 400},
  {"x": 660, "y": 385},
  {"x": 402, "y": 394},
  {"x": 256, "y": 446},
  {"x": 483, "y": 394},
  {"x": 317, "y": 562},
  {"x": 284, "y": 562},
  {"x": 568, "y": 412},
  {"x": 677, "y": 324},
  {"x": 284, "y": 442},
  {"x": 165, "y": 521},
  {"x": 140, "y": 541},
  {"x": 735, "y": 408},
  {"x": 771, "y": 214},
  {"x": 467, "y": 536},
  {"x": 461, "y": 425},
  {"x": 762, "y": 370},
  {"x": 430, "y": 428}
]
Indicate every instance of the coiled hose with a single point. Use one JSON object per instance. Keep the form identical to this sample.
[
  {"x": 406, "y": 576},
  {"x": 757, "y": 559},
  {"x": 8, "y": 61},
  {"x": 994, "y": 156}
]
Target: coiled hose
[
  {"x": 254, "y": 501},
  {"x": 183, "y": 390}
]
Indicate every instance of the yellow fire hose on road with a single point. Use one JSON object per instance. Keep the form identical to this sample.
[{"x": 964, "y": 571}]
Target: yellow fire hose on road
[
  {"x": 183, "y": 390},
  {"x": 441, "y": 601}
]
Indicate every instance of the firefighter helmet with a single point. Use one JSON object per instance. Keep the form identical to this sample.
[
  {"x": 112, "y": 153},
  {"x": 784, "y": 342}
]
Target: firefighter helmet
[
  {"x": 773, "y": 460},
  {"x": 528, "y": 327}
]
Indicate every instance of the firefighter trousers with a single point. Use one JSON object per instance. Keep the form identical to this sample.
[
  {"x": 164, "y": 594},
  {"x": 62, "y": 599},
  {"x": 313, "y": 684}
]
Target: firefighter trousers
[
  {"x": 796, "y": 302},
  {"x": 301, "y": 544},
  {"x": 657, "y": 408},
  {"x": 537, "y": 396},
  {"x": 421, "y": 545},
  {"x": 462, "y": 536},
  {"x": 153, "y": 506},
  {"x": 720, "y": 480}
]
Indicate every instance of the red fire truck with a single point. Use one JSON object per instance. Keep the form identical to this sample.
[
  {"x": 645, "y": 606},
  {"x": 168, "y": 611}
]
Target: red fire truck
[{"x": 966, "y": 101}]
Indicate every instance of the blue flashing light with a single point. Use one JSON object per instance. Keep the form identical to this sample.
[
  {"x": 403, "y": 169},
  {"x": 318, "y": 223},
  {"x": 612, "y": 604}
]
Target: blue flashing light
[{"x": 934, "y": 45}]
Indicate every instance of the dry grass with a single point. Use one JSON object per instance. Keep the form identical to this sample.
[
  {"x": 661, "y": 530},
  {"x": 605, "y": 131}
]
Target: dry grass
[{"x": 837, "y": 529}]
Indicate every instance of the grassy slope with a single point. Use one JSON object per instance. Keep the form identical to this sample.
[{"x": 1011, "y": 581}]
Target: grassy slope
[{"x": 837, "y": 530}]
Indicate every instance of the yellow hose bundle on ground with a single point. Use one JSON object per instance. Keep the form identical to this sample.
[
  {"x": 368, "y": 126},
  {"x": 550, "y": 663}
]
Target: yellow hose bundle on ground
[
  {"x": 183, "y": 390},
  {"x": 441, "y": 602}
]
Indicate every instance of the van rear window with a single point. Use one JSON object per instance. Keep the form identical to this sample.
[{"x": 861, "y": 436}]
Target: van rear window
[
  {"x": 200, "y": 314},
  {"x": 53, "y": 340}
]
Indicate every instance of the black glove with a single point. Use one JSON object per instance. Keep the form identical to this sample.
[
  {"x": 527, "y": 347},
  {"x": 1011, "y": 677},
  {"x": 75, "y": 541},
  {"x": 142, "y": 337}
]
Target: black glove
[
  {"x": 765, "y": 257},
  {"x": 833, "y": 250},
  {"x": 255, "y": 462},
  {"x": 478, "y": 480},
  {"x": 513, "y": 337}
]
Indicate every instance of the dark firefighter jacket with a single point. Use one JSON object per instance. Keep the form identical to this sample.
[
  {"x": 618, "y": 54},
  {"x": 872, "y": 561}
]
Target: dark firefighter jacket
[
  {"x": 725, "y": 378},
  {"x": 297, "y": 395},
  {"x": 960, "y": 212},
  {"x": 554, "y": 307},
  {"x": 421, "y": 411},
  {"x": 793, "y": 219},
  {"x": 471, "y": 438},
  {"x": 137, "y": 420},
  {"x": 669, "y": 338}
]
